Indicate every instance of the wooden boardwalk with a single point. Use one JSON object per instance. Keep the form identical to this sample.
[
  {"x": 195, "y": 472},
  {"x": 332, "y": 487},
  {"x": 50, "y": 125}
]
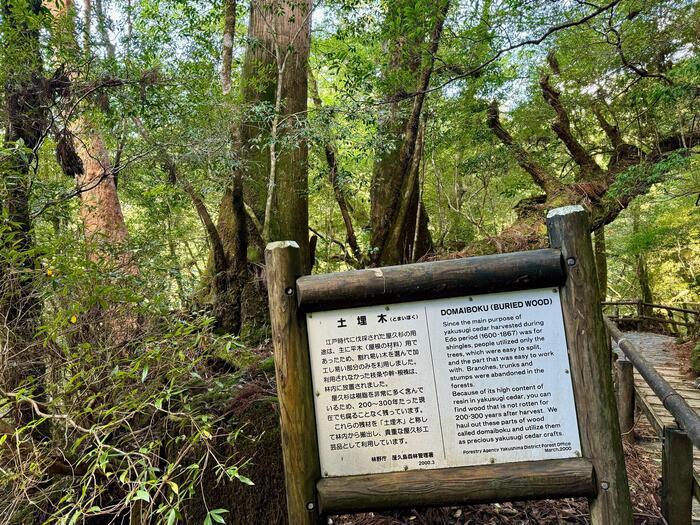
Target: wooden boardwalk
[{"x": 656, "y": 349}]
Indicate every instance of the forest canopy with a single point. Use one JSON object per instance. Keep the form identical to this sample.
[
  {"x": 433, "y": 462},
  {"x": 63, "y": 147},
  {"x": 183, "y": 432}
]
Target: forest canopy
[{"x": 152, "y": 148}]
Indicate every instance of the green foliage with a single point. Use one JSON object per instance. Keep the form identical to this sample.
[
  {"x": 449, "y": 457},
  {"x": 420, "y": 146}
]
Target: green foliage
[
  {"x": 139, "y": 422},
  {"x": 137, "y": 388}
]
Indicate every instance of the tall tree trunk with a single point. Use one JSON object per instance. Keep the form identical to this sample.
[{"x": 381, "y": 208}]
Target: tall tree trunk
[
  {"x": 25, "y": 93},
  {"x": 227, "y": 48},
  {"x": 100, "y": 209},
  {"x": 394, "y": 187},
  {"x": 279, "y": 32},
  {"x": 641, "y": 268},
  {"x": 231, "y": 285},
  {"x": 275, "y": 73},
  {"x": 601, "y": 261}
]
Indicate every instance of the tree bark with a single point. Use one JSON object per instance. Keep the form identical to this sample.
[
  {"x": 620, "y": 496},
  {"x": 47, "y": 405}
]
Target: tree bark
[
  {"x": 601, "y": 260},
  {"x": 277, "y": 31},
  {"x": 227, "y": 47},
  {"x": 278, "y": 174},
  {"x": 641, "y": 268},
  {"x": 100, "y": 208}
]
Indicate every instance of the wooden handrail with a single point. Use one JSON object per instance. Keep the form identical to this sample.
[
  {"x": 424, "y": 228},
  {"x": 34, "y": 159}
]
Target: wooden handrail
[
  {"x": 684, "y": 415},
  {"x": 651, "y": 305},
  {"x": 673, "y": 308}
]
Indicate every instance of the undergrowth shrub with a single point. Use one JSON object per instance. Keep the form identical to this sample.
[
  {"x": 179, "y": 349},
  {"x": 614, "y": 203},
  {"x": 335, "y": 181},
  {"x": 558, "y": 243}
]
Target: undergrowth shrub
[{"x": 136, "y": 398}]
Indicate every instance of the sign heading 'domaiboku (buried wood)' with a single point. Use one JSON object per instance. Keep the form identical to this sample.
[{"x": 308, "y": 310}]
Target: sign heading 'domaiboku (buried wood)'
[
  {"x": 442, "y": 383},
  {"x": 461, "y": 381}
]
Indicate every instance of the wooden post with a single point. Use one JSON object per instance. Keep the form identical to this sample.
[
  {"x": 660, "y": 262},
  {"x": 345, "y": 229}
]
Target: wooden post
[
  {"x": 293, "y": 372},
  {"x": 624, "y": 373},
  {"x": 569, "y": 230},
  {"x": 677, "y": 477}
]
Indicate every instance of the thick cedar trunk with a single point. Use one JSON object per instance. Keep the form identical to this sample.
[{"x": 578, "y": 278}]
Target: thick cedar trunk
[
  {"x": 25, "y": 120},
  {"x": 100, "y": 209},
  {"x": 285, "y": 27},
  {"x": 393, "y": 191}
]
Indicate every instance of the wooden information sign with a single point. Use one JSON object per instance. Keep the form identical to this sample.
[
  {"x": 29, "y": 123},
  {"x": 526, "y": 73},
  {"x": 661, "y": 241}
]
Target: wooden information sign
[{"x": 471, "y": 380}]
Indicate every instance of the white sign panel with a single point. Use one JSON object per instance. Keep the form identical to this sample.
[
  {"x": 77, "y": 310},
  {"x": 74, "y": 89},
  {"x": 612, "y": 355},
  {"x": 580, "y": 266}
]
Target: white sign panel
[{"x": 442, "y": 383}]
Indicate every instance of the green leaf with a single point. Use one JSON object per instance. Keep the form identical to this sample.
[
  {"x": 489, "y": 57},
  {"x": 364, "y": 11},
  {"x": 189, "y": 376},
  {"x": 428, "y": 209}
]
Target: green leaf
[
  {"x": 142, "y": 495},
  {"x": 172, "y": 516},
  {"x": 244, "y": 479},
  {"x": 215, "y": 515}
]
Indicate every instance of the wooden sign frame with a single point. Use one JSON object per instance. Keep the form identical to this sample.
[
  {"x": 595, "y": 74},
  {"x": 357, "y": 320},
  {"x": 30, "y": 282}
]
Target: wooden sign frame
[{"x": 569, "y": 263}]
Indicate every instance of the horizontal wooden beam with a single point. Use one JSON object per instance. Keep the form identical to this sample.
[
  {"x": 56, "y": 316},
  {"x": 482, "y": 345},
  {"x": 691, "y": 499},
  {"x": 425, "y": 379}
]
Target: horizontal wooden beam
[
  {"x": 432, "y": 280},
  {"x": 672, "y": 308},
  {"x": 457, "y": 486}
]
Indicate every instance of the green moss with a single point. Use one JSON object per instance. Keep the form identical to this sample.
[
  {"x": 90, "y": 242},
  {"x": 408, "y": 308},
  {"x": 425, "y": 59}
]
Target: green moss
[{"x": 695, "y": 358}]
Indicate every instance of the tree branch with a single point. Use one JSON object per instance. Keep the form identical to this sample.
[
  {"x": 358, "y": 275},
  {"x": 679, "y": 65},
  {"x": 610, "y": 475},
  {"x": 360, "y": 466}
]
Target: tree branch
[
  {"x": 476, "y": 70},
  {"x": 335, "y": 183},
  {"x": 253, "y": 218},
  {"x": 197, "y": 200},
  {"x": 537, "y": 172},
  {"x": 562, "y": 127},
  {"x": 639, "y": 70},
  {"x": 612, "y": 131}
]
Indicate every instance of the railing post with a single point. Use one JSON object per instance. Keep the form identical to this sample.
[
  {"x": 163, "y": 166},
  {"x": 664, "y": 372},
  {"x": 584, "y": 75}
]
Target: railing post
[
  {"x": 624, "y": 374},
  {"x": 569, "y": 230},
  {"x": 676, "y": 477},
  {"x": 293, "y": 371}
]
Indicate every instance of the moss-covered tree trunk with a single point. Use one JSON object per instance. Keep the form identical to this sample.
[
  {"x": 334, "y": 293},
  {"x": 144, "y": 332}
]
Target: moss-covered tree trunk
[
  {"x": 411, "y": 46},
  {"x": 280, "y": 31},
  {"x": 278, "y": 36},
  {"x": 641, "y": 268},
  {"x": 601, "y": 260},
  {"x": 25, "y": 92}
]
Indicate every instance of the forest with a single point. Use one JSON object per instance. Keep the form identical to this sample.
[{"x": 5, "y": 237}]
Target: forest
[{"x": 152, "y": 148}]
